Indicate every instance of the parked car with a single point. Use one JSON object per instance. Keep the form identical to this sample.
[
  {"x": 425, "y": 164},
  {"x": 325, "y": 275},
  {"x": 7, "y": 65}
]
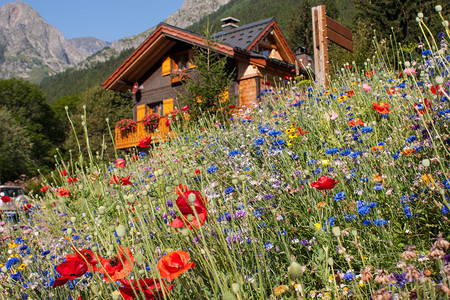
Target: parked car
[{"x": 12, "y": 199}]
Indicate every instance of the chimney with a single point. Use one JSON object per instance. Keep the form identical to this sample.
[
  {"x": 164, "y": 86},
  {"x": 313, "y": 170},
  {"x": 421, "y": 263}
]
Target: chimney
[{"x": 229, "y": 23}]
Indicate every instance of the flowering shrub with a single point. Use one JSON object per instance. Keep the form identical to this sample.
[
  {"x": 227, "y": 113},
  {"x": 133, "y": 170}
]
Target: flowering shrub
[
  {"x": 151, "y": 121},
  {"x": 126, "y": 126}
]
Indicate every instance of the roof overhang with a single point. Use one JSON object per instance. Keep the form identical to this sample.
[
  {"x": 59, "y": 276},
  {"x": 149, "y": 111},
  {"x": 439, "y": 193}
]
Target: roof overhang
[{"x": 151, "y": 51}]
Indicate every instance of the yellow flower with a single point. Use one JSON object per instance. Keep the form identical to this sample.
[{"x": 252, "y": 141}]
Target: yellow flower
[
  {"x": 325, "y": 162},
  {"x": 12, "y": 245},
  {"x": 361, "y": 283},
  {"x": 44, "y": 207},
  {"x": 427, "y": 179},
  {"x": 342, "y": 98},
  {"x": 330, "y": 279},
  {"x": 318, "y": 226},
  {"x": 292, "y": 136},
  {"x": 278, "y": 291},
  {"x": 335, "y": 90},
  {"x": 22, "y": 266},
  {"x": 321, "y": 204},
  {"x": 327, "y": 92},
  {"x": 291, "y": 142},
  {"x": 290, "y": 130}
]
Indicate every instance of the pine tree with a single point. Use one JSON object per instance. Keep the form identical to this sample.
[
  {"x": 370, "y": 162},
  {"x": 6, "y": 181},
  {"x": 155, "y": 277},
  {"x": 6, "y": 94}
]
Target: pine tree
[{"x": 208, "y": 84}]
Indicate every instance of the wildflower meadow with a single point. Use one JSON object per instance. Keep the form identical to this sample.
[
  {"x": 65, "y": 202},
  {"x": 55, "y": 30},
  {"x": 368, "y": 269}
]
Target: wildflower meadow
[{"x": 323, "y": 193}]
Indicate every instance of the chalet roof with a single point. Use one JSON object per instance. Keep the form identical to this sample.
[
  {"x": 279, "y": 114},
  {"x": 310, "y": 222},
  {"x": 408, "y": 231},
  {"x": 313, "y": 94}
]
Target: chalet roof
[{"x": 243, "y": 36}]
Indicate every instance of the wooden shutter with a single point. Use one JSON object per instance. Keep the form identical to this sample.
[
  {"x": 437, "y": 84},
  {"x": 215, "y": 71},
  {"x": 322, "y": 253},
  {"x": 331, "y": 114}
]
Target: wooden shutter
[
  {"x": 140, "y": 112},
  {"x": 166, "y": 66},
  {"x": 167, "y": 106},
  {"x": 191, "y": 58}
]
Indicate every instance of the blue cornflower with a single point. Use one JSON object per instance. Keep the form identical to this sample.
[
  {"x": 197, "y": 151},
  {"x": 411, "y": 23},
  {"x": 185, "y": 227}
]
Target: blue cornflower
[
  {"x": 426, "y": 52},
  {"x": 363, "y": 209},
  {"x": 16, "y": 276},
  {"x": 332, "y": 151},
  {"x": 407, "y": 211},
  {"x": 366, "y": 129},
  {"x": 44, "y": 253},
  {"x": 274, "y": 133},
  {"x": 268, "y": 245},
  {"x": 229, "y": 190},
  {"x": 367, "y": 222},
  {"x": 234, "y": 153},
  {"x": 380, "y": 222},
  {"x": 378, "y": 187},
  {"x": 445, "y": 209},
  {"x": 259, "y": 141},
  {"x": 411, "y": 139},
  {"x": 330, "y": 221},
  {"x": 339, "y": 196},
  {"x": 212, "y": 169},
  {"x": 348, "y": 276},
  {"x": 349, "y": 217}
]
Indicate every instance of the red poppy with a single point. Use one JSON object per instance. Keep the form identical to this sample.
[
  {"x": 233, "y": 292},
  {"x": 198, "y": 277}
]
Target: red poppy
[
  {"x": 180, "y": 189},
  {"x": 118, "y": 267},
  {"x": 231, "y": 106},
  {"x": 382, "y": 108},
  {"x": 174, "y": 264},
  {"x": 267, "y": 83},
  {"x": 185, "y": 108},
  {"x": 324, "y": 183},
  {"x": 288, "y": 77},
  {"x": 435, "y": 90},
  {"x": 151, "y": 288},
  {"x": 391, "y": 90},
  {"x": 197, "y": 172},
  {"x": 145, "y": 142},
  {"x": 120, "y": 163},
  {"x": 64, "y": 173},
  {"x": 6, "y": 199},
  {"x": 70, "y": 179},
  {"x": 63, "y": 192},
  {"x": 44, "y": 188},
  {"x": 122, "y": 181},
  {"x": 369, "y": 73},
  {"x": 188, "y": 216},
  {"x": 350, "y": 93},
  {"x": 300, "y": 132},
  {"x": 134, "y": 158},
  {"x": 26, "y": 207},
  {"x": 70, "y": 270},
  {"x": 357, "y": 122},
  {"x": 87, "y": 256}
]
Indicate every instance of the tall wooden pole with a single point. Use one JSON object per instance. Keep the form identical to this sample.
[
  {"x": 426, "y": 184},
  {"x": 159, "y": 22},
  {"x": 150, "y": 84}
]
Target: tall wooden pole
[{"x": 320, "y": 45}]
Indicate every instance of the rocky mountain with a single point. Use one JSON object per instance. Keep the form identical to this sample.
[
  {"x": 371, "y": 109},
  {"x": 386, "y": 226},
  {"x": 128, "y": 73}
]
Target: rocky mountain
[{"x": 31, "y": 48}]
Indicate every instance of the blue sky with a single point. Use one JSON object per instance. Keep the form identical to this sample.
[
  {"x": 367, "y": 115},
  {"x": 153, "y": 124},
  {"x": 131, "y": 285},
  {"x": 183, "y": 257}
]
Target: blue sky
[{"x": 108, "y": 20}]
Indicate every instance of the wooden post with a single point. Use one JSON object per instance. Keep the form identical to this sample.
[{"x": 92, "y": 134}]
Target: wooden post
[
  {"x": 326, "y": 30},
  {"x": 320, "y": 45}
]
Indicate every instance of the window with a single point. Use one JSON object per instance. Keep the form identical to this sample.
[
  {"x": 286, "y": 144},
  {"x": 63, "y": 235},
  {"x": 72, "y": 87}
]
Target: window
[
  {"x": 264, "y": 51},
  {"x": 181, "y": 62},
  {"x": 157, "y": 108}
]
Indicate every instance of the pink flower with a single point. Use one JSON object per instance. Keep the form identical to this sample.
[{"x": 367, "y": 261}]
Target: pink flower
[
  {"x": 366, "y": 87},
  {"x": 409, "y": 71},
  {"x": 333, "y": 116}
]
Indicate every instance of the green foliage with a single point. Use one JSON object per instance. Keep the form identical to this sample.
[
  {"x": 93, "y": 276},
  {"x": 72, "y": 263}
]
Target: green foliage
[
  {"x": 15, "y": 148},
  {"x": 99, "y": 105},
  {"x": 29, "y": 108},
  {"x": 209, "y": 80},
  {"x": 75, "y": 81}
]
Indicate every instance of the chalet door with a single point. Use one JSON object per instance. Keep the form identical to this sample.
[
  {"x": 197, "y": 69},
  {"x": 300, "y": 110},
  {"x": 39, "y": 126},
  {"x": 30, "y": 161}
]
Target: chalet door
[
  {"x": 167, "y": 106},
  {"x": 140, "y": 112}
]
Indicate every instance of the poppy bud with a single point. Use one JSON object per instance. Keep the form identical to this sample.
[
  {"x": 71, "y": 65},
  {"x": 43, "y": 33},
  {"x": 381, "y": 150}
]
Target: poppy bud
[
  {"x": 94, "y": 289},
  {"x": 185, "y": 108},
  {"x": 242, "y": 177},
  {"x": 235, "y": 287},
  {"x": 101, "y": 210},
  {"x": 426, "y": 162},
  {"x": 191, "y": 199},
  {"x": 234, "y": 181},
  {"x": 121, "y": 230},
  {"x": 69, "y": 231},
  {"x": 190, "y": 218},
  {"x": 228, "y": 296},
  {"x": 73, "y": 219},
  {"x": 139, "y": 258},
  {"x": 116, "y": 295},
  {"x": 185, "y": 232},
  {"x": 336, "y": 231},
  {"x": 330, "y": 261},
  {"x": 295, "y": 270}
]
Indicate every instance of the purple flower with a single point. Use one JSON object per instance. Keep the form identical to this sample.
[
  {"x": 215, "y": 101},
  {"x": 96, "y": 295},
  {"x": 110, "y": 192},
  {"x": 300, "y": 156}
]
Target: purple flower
[
  {"x": 169, "y": 203},
  {"x": 239, "y": 214}
]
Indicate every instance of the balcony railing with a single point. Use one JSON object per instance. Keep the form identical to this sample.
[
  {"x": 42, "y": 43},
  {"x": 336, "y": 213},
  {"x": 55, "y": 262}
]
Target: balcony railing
[{"x": 131, "y": 139}]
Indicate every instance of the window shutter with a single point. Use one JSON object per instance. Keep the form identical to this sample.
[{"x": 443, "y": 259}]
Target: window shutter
[
  {"x": 140, "y": 112},
  {"x": 167, "y": 106},
  {"x": 166, "y": 66}
]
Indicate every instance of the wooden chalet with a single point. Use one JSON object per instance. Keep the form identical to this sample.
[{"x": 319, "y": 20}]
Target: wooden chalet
[{"x": 257, "y": 52}]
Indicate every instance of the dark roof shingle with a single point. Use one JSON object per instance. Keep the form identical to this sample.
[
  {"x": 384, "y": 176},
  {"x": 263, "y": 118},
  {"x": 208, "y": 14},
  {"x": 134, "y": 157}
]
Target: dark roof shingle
[{"x": 242, "y": 36}]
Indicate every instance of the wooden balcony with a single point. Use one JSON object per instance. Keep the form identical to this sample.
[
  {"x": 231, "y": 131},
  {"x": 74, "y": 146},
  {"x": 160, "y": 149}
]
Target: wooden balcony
[{"x": 132, "y": 139}]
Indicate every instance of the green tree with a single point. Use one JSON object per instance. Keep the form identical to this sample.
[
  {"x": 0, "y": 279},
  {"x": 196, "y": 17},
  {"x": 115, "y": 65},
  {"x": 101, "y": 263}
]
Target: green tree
[
  {"x": 28, "y": 106},
  {"x": 15, "y": 148},
  {"x": 208, "y": 82},
  {"x": 99, "y": 105}
]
